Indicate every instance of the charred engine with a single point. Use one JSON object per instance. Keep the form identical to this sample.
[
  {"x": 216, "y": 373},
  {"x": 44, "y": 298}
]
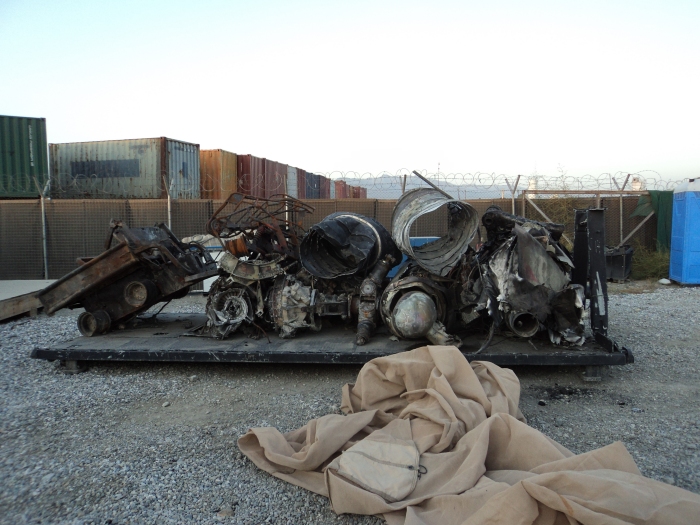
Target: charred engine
[
  {"x": 521, "y": 279},
  {"x": 276, "y": 276}
]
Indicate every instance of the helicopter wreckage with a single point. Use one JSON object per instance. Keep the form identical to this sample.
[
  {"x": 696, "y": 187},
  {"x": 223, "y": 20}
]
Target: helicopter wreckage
[{"x": 324, "y": 294}]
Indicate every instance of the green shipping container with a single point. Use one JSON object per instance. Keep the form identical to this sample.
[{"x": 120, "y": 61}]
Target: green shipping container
[{"x": 23, "y": 156}]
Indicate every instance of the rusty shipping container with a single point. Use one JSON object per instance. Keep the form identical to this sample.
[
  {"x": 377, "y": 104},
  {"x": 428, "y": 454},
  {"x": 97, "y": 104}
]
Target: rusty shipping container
[
  {"x": 275, "y": 177},
  {"x": 125, "y": 169},
  {"x": 324, "y": 187},
  {"x": 292, "y": 182},
  {"x": 218, "y": 171},
  {"x": 251, "y": 175},
  {"x": 363, "y": 193},
  {"x": 341, "y": 189},
  {"x": 301, "y": 183},
  {"x": 24, "y": 161}
]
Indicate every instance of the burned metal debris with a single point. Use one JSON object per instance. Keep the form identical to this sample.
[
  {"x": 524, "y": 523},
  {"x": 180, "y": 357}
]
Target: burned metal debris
[
  {"x": 272, "y": 279},
  {"x": 145, "y": 267},
  {"x": 442, "y": 255},
  {"x": 276, "y": 277}
]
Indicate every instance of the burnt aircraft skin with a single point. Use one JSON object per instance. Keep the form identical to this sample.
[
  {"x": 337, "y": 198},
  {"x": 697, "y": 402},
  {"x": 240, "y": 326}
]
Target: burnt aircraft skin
[
  {"x": 146, "y": 266},
  {"x": 521, "y": 279}
]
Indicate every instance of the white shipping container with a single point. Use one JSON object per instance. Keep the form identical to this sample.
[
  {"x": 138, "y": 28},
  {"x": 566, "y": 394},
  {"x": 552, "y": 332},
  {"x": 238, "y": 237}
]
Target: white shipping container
[
  {"x": 127, "y": 169},
  {"x": 292, "y": 190}
]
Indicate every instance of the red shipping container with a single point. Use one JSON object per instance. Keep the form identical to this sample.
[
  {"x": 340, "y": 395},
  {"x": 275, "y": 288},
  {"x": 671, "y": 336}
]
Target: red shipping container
[
  {"x": 325, "y": 188},
  {"x": 341, "y": 189},
  {"x": 275, "y": 176},
  {"x": 251, "y": 175},
  {"x": 301, "y": 183},
  {"x": 363, "y": 193}
]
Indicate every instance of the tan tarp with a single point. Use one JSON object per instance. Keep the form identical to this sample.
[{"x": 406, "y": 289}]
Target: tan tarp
[{"x": 479, "y": 461}]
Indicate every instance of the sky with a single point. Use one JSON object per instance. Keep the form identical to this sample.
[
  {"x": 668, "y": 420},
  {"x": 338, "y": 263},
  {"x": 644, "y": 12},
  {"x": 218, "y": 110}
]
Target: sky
[{"x": 500, "y": 87}]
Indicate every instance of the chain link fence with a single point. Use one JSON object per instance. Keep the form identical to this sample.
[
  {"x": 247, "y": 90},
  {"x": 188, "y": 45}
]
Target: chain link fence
[{"x": 42, "y": 238}]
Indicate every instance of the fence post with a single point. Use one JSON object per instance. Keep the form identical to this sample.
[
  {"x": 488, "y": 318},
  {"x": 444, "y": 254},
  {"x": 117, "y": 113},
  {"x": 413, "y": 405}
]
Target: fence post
[
  {"x": 43, "y": 226},
  {"x": 512, "y": 193},
  {"x": 622, "y": 233}
]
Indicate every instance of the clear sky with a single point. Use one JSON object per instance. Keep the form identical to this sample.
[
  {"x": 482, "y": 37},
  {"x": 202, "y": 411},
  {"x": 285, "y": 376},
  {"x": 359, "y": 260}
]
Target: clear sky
[{"x": 369, "y": 86}]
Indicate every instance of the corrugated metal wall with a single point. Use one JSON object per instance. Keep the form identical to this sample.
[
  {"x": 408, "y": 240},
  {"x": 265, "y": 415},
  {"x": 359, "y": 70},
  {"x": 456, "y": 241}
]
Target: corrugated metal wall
[
  {"x": 251, "y": 175},
  {"x": 23, "y": 156},
  {"x": 301, "y": 183},
  {"x": 324, "y": 187},
  {"x": 275, "y": 178},
  {"x": 218, "y": 173},
  {"x": 182, "y": 169},
  {"x": 135, "y": 169}
]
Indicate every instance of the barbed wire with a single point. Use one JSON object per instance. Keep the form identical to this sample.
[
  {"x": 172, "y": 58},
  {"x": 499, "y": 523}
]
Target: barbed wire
[{"x": 384, "y": 185}]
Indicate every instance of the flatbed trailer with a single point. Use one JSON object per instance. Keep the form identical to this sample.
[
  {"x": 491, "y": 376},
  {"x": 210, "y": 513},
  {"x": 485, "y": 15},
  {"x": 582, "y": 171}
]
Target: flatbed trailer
[{"x": 171, "y": 338}]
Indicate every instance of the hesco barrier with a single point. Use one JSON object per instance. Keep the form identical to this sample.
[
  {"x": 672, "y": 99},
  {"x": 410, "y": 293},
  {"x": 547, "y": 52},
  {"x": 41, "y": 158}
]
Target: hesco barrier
[{"x": 77, "y": 228}]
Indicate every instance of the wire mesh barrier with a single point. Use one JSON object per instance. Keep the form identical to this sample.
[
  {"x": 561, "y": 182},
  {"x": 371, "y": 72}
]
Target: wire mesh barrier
[
  {"x": 43, "y": 237},
  {"x": 79, "y": 228}
]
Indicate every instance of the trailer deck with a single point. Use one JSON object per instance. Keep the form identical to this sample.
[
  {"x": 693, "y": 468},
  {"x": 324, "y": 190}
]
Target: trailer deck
[{"x": 171, "y": 338}]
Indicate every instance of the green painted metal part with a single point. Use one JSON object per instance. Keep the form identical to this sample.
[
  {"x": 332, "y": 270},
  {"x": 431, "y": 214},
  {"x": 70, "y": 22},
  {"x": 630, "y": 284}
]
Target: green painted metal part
[{"x": 24, "y": 164}]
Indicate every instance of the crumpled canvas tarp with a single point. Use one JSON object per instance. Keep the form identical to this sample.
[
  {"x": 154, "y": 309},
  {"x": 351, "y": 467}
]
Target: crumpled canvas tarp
[{"x": 431, "y": 439}]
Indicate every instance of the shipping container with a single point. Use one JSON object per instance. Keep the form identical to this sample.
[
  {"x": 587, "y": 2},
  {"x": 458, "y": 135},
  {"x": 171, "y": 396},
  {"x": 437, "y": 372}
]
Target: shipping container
[
  {"x": 125, "y": 169},
  {"x": 313, "y": 186},
  {"x": 341, "y": 189},
  {"x": 275, "y": 176},
  {"x": 24, "y": 165},
  {"x": 301, "y": 183},
  {"x": 324, "y": 187},
  {"x": 292, "y": 182},
  {"x": 363, "y": 193},
  {"x": 218, "y": 171},
  {"x": 251, "y": 175}
]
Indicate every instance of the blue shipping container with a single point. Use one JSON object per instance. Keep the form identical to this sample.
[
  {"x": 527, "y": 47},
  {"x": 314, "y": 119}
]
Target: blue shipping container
[{"x": 685, "y": 233}]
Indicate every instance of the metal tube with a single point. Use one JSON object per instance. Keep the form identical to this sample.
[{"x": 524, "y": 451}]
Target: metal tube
[
  {"x": 623, "y": 241},
  {"x": 548, "y": 219},
  {"x": 432, "y": 185}
]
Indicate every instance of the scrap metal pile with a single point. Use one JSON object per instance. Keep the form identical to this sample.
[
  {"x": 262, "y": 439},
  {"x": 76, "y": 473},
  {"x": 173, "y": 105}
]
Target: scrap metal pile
[
  {"x": 274, "y": 276},
  {"x": 146, "y": 266}
]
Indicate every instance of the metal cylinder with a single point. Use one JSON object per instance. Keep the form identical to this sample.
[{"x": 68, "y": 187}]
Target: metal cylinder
[
  {"x": 523, "y": 324},
  {"x": 443, "y": 254},
  {"x": 94, "y": 323},
  {"x": 414, "y": 315}
]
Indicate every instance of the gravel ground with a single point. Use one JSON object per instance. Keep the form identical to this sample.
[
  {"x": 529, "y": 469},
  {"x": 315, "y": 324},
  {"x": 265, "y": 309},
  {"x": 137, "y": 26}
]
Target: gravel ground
[{"x": 152, "y": 443}]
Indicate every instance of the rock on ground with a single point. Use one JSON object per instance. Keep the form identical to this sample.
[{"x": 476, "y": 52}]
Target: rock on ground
[{"x": 156, "y": 443}]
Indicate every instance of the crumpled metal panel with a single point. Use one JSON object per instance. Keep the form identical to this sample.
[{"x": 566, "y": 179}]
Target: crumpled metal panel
[
  {"x": 440, "y": 256},
  {"x": 345, "y": 243}
]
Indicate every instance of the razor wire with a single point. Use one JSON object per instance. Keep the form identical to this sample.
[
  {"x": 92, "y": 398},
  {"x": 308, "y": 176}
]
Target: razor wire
[{"x": 382, "y": 185}]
